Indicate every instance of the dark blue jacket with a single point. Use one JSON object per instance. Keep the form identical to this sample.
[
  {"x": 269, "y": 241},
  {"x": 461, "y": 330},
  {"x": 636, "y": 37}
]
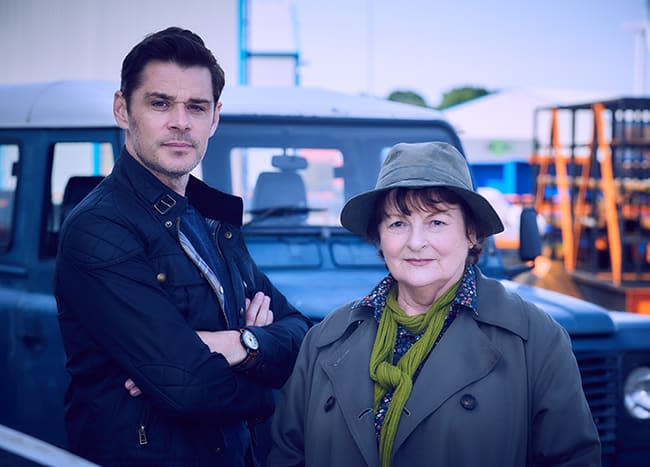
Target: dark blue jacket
[{"x": 129, "y": 300}]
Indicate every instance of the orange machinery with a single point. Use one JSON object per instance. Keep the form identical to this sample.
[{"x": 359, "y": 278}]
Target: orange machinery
[{"x": 593, "y": 186}]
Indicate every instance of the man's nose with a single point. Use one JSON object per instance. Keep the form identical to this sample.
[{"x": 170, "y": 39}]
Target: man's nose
[{"x": 180, "y": 117}]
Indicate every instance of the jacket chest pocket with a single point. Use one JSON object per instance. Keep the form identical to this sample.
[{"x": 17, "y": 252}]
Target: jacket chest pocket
[{"x": 184, "y": 284}]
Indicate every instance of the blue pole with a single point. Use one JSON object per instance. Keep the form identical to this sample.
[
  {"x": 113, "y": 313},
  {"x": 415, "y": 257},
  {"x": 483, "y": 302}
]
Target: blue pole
[
  {"x": 243, "y": 41},
  {"x": 2, "y": 181},
  {"x": 97, "y": 159},
  {"x": 296, "y": 39}
]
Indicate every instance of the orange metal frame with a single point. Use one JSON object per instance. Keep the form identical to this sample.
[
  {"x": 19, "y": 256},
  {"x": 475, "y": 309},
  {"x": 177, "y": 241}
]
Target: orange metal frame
[
  {"x": 566, "y": 218},
  {"x": 609, "y": 194}
]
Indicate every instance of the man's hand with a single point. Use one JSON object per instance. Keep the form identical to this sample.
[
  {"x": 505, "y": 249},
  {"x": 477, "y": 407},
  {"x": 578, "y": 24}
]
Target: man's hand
[
  {"x": 130, "y": 386},
  {"x": 227, "y": 343},
  {"x": 258, "y": 311}
]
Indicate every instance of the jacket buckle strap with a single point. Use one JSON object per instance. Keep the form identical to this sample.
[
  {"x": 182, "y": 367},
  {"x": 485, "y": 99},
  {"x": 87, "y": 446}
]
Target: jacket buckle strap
[{"x": 164, "y": 204}]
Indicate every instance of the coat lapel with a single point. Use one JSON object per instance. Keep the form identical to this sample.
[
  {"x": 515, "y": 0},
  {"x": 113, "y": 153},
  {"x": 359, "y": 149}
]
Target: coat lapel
[
  {"x": 463, "y": 355},
  {"x": 348, "y": 371}
]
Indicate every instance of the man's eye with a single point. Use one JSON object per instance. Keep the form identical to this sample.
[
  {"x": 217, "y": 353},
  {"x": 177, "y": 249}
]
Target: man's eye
[
  {"x": 197, "y": 108},
  {"x": 160, "y": 105}
]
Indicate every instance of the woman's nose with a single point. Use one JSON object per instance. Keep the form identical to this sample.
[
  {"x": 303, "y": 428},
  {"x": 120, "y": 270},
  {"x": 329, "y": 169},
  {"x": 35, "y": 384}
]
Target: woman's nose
[{"x": 417, "y": 239}]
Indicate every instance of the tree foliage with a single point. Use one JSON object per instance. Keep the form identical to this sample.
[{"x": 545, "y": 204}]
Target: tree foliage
[
  {"x": 450, "y": 98},
  {"x": 459, "y": 95},
  {"x": 407, "y": 97}
]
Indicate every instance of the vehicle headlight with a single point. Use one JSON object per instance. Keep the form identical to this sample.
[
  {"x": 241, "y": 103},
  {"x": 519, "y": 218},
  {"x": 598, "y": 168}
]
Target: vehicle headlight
[{"x": 636, "y": 393}]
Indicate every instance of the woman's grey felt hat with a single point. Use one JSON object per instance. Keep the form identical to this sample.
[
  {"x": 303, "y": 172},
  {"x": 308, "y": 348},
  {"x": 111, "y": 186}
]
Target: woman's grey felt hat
[{"x": 422, "y": 165}]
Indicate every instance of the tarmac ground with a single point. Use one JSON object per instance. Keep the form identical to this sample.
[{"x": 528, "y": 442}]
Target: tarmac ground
[{"x": 549, "y": 274}]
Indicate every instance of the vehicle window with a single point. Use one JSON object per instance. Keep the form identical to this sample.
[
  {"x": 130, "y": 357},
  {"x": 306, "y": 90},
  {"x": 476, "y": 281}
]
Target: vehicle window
[
  {"x": 76, "y": 169},
  {"x": 8, "y": 163},
  {"x": 288, "y": 185},
  {"x": 78, "y": 159}
]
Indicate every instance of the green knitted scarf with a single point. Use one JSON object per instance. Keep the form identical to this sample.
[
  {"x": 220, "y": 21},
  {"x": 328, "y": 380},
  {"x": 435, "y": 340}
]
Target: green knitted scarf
[{"x": 399, "y": 378}]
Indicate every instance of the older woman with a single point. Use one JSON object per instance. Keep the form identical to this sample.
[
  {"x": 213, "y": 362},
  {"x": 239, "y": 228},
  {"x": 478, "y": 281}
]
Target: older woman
[{"x": 438, "y": 365}]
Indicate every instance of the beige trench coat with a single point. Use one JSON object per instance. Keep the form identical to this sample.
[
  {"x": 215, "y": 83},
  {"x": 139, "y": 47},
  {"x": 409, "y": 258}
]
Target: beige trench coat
[{"x": 501, "y": 389}]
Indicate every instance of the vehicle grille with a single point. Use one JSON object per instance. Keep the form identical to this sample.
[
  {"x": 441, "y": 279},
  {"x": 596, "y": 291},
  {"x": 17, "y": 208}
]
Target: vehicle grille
[{"x": 600, "y": 383}]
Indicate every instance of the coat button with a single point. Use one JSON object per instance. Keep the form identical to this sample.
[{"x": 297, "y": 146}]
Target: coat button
[
  {"x": 169, "y": 224},
  {"x": 161, "y": 277},
  {"x": 329, "y": 404},
  {"x": 228, "y": 234},
  {"x": 468, "y": 402}
]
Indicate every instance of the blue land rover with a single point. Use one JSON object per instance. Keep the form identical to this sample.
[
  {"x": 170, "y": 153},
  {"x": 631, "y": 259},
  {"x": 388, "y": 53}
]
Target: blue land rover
[{"x": 295, "y": 155}]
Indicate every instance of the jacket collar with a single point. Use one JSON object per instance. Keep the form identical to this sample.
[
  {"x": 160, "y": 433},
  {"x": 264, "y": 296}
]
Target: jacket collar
[
  {"x": 495, "y": 306},
  {"x": 498, "y": 307},
  {"x": 167, "y": 204},
  {"x": 338, "y": 323},
  {"x": 215, "y": 204}
]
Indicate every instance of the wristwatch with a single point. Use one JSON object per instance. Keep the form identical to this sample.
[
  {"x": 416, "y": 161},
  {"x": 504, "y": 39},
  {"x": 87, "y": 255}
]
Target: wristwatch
[{"x": 250, "y": 343}]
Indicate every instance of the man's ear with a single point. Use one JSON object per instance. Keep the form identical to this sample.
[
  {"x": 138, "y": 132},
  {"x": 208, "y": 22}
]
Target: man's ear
[
  {"x": 120, "y": 111},
  {"x": 215, "y": 118}
]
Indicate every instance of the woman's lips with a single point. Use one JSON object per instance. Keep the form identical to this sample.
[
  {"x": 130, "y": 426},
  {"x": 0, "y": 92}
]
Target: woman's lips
[{"x": 418, "y": 262}]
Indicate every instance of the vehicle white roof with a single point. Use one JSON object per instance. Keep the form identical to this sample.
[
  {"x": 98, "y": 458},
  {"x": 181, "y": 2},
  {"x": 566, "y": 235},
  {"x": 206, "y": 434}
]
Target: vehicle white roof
[
  {"x": 90, "y": 104},
  {"x": 508, "y": 114}
]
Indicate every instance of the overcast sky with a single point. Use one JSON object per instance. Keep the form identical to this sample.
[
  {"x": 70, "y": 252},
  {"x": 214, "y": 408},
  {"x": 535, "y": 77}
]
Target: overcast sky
[{"x": 432, "y": 46}]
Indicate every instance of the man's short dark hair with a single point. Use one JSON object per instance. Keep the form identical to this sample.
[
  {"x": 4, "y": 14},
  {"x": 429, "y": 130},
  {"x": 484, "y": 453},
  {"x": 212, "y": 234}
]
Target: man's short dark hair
[{"x": 171, "y": 45}]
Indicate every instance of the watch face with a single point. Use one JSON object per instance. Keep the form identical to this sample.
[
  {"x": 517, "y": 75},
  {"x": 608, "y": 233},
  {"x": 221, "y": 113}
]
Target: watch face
[{"x": 249, "y": 340}]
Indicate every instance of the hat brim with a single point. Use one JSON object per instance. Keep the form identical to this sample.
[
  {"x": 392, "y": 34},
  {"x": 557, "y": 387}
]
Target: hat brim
[{"x": 355, "y": 215}]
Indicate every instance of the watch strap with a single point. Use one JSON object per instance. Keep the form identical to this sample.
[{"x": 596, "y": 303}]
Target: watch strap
[{"x": 250, "y": 353}]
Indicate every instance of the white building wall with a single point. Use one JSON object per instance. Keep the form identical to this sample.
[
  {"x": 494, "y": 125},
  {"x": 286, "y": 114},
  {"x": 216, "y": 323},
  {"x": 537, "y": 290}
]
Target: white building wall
[{"x": 42, "y": 40}]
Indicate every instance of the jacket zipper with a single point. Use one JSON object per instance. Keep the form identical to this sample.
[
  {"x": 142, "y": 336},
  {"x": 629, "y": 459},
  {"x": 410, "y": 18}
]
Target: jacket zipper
[
  {"x": 142, "y": 428},
  {"x": 191, "y": 252},
  {"x": 220, "y": 253}
]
